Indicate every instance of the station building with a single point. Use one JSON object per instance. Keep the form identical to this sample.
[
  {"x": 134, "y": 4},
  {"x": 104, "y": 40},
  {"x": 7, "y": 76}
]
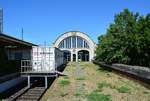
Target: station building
[{"x": 76, "y": 45}]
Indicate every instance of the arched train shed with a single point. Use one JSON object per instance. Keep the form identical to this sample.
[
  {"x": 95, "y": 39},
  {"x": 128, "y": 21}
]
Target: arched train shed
[{"x": 76, "y": 45}]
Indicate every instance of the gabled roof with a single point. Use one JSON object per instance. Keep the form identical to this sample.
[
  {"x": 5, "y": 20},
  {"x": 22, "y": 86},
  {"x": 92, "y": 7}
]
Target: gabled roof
[{"x": 9, "y": 39}]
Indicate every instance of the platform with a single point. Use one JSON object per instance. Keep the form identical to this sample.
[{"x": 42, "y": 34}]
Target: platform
[{"x": 39, "y": 74}]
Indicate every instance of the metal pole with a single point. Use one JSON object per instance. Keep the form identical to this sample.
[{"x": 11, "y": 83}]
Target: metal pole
[
  {"x": 71, "y": 42},
  {"x": 45, "y": 81},
  {"x": 22, "y": 33},
  {"x": 28, "y": 81},
  {"x": 1, "y": 20}
]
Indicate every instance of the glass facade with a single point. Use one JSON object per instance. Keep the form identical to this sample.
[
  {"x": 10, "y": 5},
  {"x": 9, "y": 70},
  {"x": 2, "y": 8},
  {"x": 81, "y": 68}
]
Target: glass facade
[{"x": 73, "y": 42}]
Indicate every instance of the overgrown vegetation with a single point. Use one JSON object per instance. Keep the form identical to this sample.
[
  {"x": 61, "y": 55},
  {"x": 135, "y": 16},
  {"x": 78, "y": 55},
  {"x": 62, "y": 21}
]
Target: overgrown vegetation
[
  {"x": 123, "y": 89},
  {"x": 102, "y": 84},
  {"x": 63, "y": 94},
  {"x": 126, "y": 41},
  {"x": 97, "y": 96},
  {"x": 77, "y": 94},
  {"x": 80, "y": 78},
  {"x": 89, "y": 89},
  {"x": 64, "y": 82}
]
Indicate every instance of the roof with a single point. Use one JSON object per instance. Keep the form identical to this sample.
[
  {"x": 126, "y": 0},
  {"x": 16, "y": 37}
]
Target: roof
[
  {"x": 72, "y": 31},
  {"x": 9, "y": 39}
]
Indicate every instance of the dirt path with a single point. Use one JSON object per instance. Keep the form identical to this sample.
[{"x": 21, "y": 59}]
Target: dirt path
[{"x": 88, "y": 82}]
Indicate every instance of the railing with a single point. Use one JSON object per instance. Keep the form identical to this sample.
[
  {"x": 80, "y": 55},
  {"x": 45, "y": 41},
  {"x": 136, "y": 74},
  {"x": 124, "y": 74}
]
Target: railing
[
  {"x": 37, "y": 66},
  {"x": 26, "y": 66}
]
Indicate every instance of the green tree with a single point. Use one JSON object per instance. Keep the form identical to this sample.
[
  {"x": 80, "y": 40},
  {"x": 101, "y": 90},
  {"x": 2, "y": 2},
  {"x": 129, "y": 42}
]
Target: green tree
[{"x": 127, "y": 40}]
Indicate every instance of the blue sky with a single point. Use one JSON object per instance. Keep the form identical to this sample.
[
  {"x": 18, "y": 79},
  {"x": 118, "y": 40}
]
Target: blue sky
[{"x": 44, "y": 20}]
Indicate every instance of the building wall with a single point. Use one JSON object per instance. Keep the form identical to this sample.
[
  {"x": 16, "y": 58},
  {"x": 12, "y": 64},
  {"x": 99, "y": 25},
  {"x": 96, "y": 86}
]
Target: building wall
[{"x": 19, "y": 54}]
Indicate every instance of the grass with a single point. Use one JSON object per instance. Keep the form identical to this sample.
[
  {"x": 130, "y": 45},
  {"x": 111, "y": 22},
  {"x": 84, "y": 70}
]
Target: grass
[
  {"x": 64, "y": 82},
  {"x": 123, "y": 89},
  {"x": 63, "y": 94},
  {"x": 145, "y": 92},
  {"x": 77, "y": 94},
  {"x": 97, "y": 86},
  {"x": 102, "y": 84},
  {"x": 80, "y": 78},
  {"x": 66, "y": 77},
  {"x": 96, "y": 96}
]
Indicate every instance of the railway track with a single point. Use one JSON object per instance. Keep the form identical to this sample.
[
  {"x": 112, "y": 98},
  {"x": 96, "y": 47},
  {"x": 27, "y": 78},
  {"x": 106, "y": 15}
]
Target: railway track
[
  {"x": 34, "y": 93},
  {"x": 145, "y": 81}
]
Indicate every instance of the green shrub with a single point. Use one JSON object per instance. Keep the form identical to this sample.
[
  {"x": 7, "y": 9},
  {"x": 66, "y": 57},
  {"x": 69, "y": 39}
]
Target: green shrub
[{"x": 96, "y": 96}]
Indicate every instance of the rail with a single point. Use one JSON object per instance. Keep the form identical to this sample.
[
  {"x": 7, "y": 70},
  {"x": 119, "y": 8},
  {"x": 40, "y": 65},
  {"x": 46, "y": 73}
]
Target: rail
[
  {"x": 34, "y": 93},
  {"x": 145, "y": 78}
]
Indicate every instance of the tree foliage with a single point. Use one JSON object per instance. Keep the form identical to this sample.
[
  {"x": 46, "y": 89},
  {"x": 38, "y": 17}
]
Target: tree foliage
[{"x": 127, "y": 40}]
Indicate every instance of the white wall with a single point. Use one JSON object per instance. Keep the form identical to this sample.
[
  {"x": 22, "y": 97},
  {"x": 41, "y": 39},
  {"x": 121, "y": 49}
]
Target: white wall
[{"x": 46, "y": 58}]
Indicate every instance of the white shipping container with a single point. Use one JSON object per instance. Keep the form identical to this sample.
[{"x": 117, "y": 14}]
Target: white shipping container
[{"x": 46, "y": 59}]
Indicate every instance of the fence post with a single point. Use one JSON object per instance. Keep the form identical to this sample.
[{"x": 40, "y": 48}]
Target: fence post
[{"x": 28, "y": 81}]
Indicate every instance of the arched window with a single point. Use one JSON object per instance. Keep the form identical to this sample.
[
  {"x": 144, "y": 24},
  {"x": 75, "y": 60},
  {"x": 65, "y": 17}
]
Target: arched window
[{"x": 73, "y": 42}]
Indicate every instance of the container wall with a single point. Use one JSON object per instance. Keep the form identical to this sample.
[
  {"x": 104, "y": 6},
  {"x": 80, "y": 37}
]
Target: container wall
[
  {"x": 43, "y": 58},
  {"x": 59, "y": 58},
  {"x": 46, "y": 58}
]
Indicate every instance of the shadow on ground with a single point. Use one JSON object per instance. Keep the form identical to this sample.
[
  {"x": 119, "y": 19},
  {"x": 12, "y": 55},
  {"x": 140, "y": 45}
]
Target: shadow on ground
[{"x": 39, "y": 83}]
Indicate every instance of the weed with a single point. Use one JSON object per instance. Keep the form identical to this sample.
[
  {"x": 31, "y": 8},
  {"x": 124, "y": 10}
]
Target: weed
[
  {"x": 80, "y": 78},
  {"x": 77, "y": 94},
  {"x": 108, "y": 75},
  {"x": 97, "y": 90},
  {"x": 66, "y": 77},
  {"x": 64, "y": 82},
  {"x": 63, "y": 94},
  {"x": 96, "y": 96},
  {"x": 103, "y": 84},
  {"x": 123, "y": 89},
  {"x": 145, "y": 92},
  {"x": 105, "y": 70}
]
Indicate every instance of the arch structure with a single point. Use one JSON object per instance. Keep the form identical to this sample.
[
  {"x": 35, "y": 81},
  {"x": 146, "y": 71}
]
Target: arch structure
[{"x": 76, "y": 45}]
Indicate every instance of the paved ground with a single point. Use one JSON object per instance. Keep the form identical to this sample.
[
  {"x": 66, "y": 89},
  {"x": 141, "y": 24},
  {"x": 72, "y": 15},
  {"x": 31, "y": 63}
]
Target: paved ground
[{"x": 88, "y": 82}]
